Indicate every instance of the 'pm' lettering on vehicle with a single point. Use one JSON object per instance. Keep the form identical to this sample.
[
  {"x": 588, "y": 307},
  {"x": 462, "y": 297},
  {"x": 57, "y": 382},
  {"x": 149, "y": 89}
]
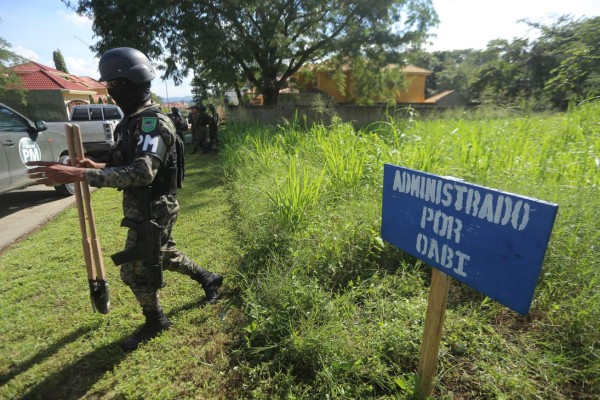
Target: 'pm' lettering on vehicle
[{"x": 29, "y": 150}]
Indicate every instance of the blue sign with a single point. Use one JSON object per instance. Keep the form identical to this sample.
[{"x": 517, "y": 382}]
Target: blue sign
[{"x": 490, "y": 240}]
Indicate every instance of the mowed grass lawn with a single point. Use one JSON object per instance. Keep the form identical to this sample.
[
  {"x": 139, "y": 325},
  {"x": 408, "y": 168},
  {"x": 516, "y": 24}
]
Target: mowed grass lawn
[{"x": 53, "y": 347}]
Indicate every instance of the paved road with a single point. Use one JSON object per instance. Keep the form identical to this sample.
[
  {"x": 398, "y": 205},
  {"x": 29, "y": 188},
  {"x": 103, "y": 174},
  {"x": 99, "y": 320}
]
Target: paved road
[{"x": 24, "y": 211}]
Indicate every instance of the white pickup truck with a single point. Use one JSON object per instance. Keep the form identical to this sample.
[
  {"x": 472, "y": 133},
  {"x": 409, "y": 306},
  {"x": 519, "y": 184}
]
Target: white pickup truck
[{"x": 97, "y": 123}]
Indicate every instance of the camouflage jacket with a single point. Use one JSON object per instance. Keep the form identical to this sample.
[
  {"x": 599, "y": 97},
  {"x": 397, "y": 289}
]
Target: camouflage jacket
[
  {"x": 199, "y": 120},
  {"x": 142, "y": 141}
]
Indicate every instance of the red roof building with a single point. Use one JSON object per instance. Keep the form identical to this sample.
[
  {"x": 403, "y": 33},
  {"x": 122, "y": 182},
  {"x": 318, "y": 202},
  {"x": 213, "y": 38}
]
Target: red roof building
[{"x": 75, "y": 90}]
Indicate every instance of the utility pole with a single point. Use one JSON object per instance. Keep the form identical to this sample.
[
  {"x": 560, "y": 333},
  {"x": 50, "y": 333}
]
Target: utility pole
[{"x": 167, "y": 90}]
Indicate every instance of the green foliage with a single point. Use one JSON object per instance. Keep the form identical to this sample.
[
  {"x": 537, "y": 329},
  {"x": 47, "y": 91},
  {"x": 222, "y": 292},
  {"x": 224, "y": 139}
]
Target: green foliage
[
  {"x": 261, "y": 42},
  {"x": 573, "y": 46},
  {"x": 59, "y": 61},
  {"x": 154, "y": 97},
  {"x": 372, "y": 81},
  {"x": 9, "y": 80},
  {"x": 562, "y": 65}
]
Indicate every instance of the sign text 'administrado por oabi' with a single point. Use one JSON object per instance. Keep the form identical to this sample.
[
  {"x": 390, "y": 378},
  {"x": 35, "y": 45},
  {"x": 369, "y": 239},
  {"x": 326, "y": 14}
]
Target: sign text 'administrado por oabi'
[{"x": 491, "y": 240}]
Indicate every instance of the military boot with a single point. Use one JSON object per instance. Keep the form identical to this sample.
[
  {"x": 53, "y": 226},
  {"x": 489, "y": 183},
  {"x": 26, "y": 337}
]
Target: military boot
[
  {"x": 210, "y": 283},
  {"x": 156, "y": 322}
]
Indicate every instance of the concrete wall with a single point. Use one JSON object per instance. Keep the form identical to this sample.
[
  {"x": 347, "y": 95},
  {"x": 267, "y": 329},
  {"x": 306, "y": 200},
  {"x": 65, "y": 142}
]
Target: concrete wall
[
  {"x": 359, "y": 116},
  {"x": 47, "y": 105}
]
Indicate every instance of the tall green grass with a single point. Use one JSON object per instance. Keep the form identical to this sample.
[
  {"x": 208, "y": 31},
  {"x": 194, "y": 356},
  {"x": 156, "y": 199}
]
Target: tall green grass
[
  {"x": 334, "y": 312},
  {"x": 315, "y": 304}
]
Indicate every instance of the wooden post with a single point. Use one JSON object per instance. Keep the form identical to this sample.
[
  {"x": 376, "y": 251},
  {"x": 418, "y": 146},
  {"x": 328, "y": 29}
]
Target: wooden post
[
  {"x": 85, "y": 239},
  {"x": 85, "y": 189},
  {"x": 89, "y": 239},
  {"x": 434, "y": 322}
]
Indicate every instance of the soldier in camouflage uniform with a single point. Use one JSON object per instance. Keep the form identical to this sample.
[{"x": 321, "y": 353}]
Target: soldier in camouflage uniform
[
  {"x": 200, "y": 121},
  {"x": 213, "y": 127},
  {"x": 142, "y": 157}
]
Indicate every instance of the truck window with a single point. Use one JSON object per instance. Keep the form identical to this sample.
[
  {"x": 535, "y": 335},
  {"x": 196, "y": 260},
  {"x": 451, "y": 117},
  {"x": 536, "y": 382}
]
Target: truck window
[
  {"x": 95, "y": 114},
  {"x": 111, "y": 113},
  {"x": 11, "y": 122},
  {"x": 80, "y": 114}
]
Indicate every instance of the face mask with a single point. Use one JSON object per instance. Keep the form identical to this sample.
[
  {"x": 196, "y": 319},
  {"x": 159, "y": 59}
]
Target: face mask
[{"x": 129, "y": 96}]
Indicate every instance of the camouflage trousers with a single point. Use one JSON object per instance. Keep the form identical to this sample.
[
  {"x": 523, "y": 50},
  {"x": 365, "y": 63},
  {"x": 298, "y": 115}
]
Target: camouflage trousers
[
  {"x": 200, "y": 138},
  {"x": 134, "y": 274},
  {"x": 213, "y": 131}
]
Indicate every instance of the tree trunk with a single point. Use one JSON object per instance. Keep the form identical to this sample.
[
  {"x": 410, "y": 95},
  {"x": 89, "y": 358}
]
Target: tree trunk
[
  {"x": 270, "y": 94},
  {"x": 238, "y": 93}
]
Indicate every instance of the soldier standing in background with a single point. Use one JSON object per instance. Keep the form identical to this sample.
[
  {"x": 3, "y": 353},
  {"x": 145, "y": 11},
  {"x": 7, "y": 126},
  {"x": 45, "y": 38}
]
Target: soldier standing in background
[
  {"x": 180, "y": 122},
  {"x": 213, "y": 128},
  {"x": 200, "y": 121},
  {"x": 143, "y": 164}
]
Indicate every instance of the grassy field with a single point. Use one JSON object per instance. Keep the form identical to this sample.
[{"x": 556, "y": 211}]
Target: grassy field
[
  {"x": 54, "y": 347},
  {"x": 316, "y": 305}
]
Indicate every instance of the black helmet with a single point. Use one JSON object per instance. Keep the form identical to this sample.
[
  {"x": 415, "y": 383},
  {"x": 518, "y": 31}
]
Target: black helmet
[
  {"x": 174, "y": 110},
  {"x": 201, "y": 107},
  {"x": 125, "y": 62}
]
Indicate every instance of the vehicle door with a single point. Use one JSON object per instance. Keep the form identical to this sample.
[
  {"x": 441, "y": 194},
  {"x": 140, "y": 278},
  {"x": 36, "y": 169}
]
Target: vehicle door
[
  {"x": 5, "y": 178},
  {"x": 20, "y": 145}
]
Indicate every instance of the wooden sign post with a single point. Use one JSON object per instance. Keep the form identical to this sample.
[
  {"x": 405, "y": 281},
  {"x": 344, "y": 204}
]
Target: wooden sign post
[
  {"x": 432, "y": 336},
  {"x": 490, "y": 240}
]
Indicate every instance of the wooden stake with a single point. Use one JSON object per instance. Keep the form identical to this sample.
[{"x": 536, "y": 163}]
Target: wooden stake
[
  {"x": 434, "y": 322},
  {"x": 85, "y": 188},
  {"x": 89, "y": 239},
  {"x": 85, "y": 239}
]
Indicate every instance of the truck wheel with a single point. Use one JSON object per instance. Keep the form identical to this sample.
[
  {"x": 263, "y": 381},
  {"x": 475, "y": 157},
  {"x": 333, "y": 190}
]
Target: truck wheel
[{"x": 67, "y": 189}]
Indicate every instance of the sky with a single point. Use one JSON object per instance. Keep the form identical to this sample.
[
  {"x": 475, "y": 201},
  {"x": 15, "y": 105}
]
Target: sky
[{"x": 36, "y": 28}]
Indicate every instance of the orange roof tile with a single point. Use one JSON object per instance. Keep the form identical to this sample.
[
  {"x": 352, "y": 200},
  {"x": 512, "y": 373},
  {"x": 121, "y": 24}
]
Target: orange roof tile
[
  {"x": 435, "y": 98},
  {"x": 37, "y": 76},
  {"x": 88, "y": 82},
  {"x": 33, "y": 66},
  {"x": 408, "y": 68},
  {"x": 42, "y": 80},
  {"x": 178, "y": 104}
]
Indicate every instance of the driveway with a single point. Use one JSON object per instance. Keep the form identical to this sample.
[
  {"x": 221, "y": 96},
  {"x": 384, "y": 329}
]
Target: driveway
[{"x": 24, "y": 211}]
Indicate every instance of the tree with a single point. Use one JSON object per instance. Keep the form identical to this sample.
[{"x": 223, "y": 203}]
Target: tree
[
  {"x": 452, "y": 70},
  {"x": 506, "y": 75},
  {"x": 9, "y": 80},
  {"x": 570, "y": 52},
  {"x": 59, "y": 61},
  {"x": 561, "y": 66},
  {"x": 265, "y": 42},
  {"x": 156, "y": 98}
]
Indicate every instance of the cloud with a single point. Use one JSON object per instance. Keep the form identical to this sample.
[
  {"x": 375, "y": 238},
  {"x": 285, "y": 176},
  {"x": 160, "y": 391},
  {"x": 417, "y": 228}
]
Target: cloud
[
  {"x": 83, "y": 66},
  {"x": 77, "y": 20},
  {"x": 28, "y": 54}
]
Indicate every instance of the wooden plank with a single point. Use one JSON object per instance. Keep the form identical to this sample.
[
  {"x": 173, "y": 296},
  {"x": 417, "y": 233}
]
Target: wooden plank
[{"x": 434, "y": 323}]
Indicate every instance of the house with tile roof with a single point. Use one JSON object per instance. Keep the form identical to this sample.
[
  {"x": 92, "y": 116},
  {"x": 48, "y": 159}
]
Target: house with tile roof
[
  {"x": 51, "y": 93},
  {"x": 413, "y": 93}
]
